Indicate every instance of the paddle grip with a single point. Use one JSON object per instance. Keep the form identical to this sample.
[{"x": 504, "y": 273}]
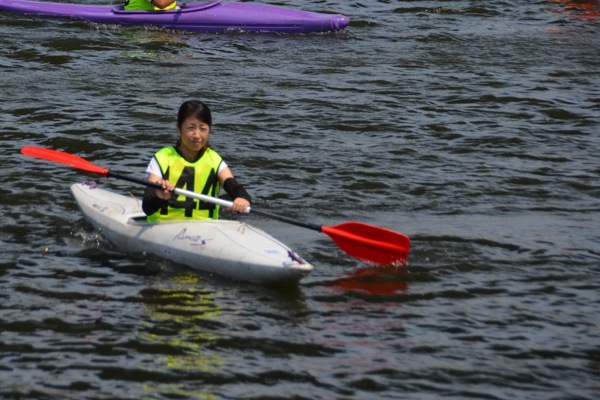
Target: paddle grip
[{"x": 178, "y": 191}]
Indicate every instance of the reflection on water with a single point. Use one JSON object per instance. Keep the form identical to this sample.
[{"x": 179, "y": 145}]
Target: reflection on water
[
  {"x": 177, "y": 324},
  {"x": 584, "y": 11},
  {"x": 378, "y": 279}
]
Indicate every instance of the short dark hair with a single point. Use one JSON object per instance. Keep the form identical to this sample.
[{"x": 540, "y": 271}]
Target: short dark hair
[{"x": 194, "y": 108}]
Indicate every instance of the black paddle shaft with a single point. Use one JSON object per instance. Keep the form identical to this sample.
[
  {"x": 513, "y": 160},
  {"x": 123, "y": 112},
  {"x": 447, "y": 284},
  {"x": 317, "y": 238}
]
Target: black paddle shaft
[
  {"x": 307, "y": 225},
  {"x": 155, "y": 185},
  {"x": 265, "y": 214}
]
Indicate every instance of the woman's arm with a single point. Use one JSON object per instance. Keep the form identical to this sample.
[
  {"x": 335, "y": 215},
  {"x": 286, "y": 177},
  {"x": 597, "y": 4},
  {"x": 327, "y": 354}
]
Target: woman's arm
[
  {"x": 154, "y": 199},
  {"x": 241, "y": 198}
]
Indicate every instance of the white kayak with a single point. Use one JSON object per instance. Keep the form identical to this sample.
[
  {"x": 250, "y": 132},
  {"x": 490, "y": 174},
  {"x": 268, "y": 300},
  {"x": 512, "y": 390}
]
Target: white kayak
[{"x": 229, "y": 248}]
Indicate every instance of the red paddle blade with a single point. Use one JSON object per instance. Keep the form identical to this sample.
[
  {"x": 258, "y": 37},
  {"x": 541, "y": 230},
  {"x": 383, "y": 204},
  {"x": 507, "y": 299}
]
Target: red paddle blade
[
  {"x": 64, "y": 158},
  {"x": 370, "y": 243}
]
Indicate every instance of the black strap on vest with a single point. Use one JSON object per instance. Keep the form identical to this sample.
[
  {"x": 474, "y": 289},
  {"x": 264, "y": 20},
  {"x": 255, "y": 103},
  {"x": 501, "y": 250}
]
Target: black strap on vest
[{"x": 211, "y": 183}]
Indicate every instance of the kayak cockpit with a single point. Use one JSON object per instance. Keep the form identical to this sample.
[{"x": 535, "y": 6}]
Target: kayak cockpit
[
  {"x": 182, "y": 8},
  {"x": 142, "y": 219}
]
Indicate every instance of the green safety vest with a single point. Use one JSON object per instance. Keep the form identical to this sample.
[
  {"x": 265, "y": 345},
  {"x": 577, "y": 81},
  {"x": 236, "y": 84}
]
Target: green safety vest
[
  {"x": 199, "y": 176},
  {"x": 145, "y": 5}
]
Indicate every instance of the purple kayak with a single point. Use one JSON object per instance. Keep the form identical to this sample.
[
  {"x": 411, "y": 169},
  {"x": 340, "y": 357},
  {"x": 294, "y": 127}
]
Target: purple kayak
[{"x": 194, "y": 17}]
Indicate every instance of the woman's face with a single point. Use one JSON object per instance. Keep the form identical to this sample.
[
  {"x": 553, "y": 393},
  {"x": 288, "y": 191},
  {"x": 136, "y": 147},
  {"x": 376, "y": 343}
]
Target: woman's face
[{"x": 194, "y": 134}]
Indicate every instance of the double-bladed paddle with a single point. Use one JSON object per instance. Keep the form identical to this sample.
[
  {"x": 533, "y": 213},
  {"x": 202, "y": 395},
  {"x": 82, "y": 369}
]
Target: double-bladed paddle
[{"x": 365, "y": 242}]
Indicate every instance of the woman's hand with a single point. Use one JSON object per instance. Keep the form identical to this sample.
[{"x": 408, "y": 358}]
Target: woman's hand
[
  {"x": 239, "y": 205},
  {"x": 164, "y": 194}
]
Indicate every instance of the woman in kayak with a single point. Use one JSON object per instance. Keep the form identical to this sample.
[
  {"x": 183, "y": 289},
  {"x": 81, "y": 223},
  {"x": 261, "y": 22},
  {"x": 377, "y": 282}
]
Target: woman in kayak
[
  {"x": 191, "y": 165},
  {"x": 150, "y": 5}
]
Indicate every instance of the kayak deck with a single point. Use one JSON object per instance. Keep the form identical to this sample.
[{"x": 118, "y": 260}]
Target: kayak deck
[{"x": 229, "y": 248}]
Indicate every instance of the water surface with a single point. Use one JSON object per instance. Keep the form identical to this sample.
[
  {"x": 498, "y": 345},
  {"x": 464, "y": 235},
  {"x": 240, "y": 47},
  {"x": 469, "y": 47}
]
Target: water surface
[{"x": 472, "y": 127}]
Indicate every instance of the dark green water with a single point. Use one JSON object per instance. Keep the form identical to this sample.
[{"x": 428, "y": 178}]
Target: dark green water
[{"x": 470, "y": 126}]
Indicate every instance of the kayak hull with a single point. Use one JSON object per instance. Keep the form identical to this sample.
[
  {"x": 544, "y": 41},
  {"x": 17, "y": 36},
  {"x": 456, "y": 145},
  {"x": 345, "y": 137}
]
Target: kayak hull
[
  {"x": 228, "y": 248},
  {"x": 194, "y": 17}
]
